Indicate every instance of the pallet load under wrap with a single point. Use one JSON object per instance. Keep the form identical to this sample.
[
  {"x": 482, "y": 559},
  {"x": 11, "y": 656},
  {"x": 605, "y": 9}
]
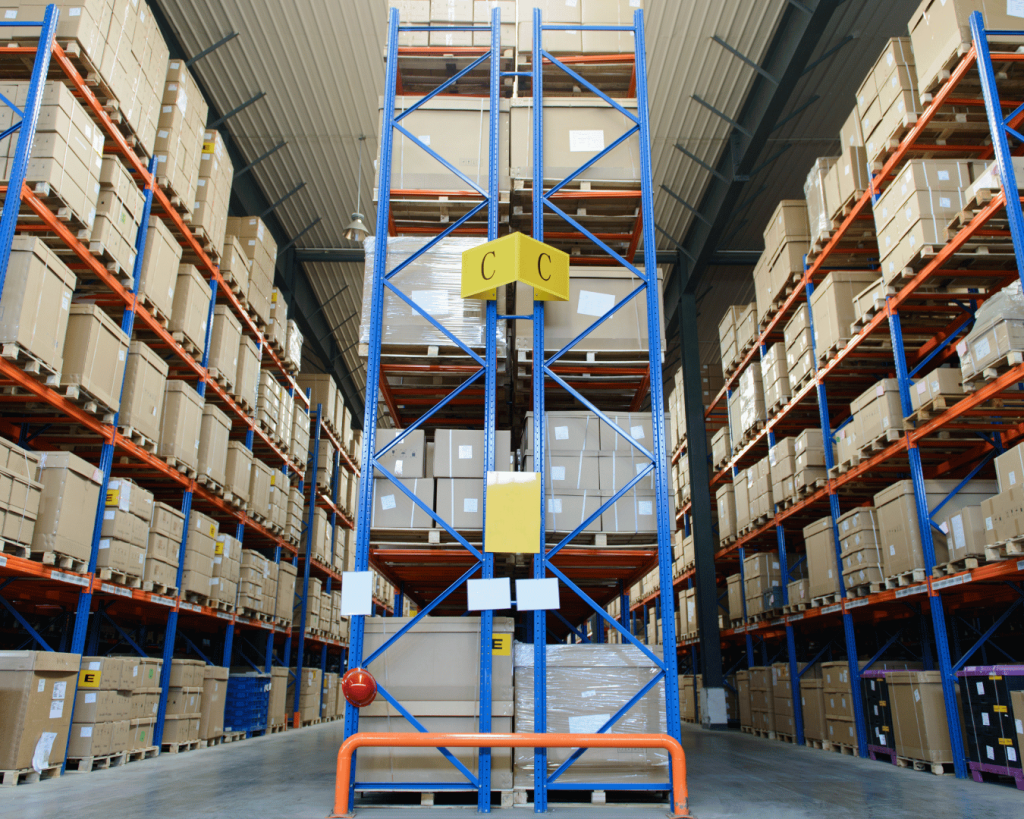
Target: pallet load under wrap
[
  {"x": 998, "y": 331},
  {"x": 434, "y": 282},
  {"x": 586, "y": 685}
]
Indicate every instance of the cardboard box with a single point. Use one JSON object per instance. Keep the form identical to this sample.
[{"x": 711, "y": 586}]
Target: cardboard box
[
  {"x": 939, "y": 31},
  {"x": 919, "y": 715},
  {"x": 214, "y": 430},
  {"x": 404, "y": 460},
  {"x": 35, "y": 709},
  {"x": 832, "y": 305},
  {"x": 94, "y": 354},
  {"x": 593, "y": 291},
  {"x": 159, "y": 274},
  {"x": 572, "y": 472},
  {"x": 34, "y": 307},
  {"x": 191, "y": 307},
  {"x": 125, "y": 526},
  {"x": 574, "y": 130},
  {"x": 238, "y": 470},
  {"x": 181, "y": 424},
  {"x": 460, "y": 502},
  {"x": 224, "y": 343},
  {"x": 460, "y": 453},
  {"x": 248, "y": 373},
  {"x": 66, "y": 517},
  {"x": 877, "y": 412},
  {"x": 142, "y": 399},
  {"x": 89, "y": 739},
  {"x": 725, "y": 500},
  {"x": 822, "y": 574},
  {"x": 392, "y": 509},
  {"x": 565, "y": 431},
  {"x": 555, "y": 12},
  {"x": 167, "y": 521}
]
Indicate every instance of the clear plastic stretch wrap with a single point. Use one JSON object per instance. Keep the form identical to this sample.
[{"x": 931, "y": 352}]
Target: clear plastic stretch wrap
[
  {"x": 434, "y": 282},
  {"x": 818, "y": 210},
  {"x": 293, "y": 345},
  {"x": 998, "y": 330},
  {"x": 751, "y": 398},
  {"x": 586, "y": 685}
]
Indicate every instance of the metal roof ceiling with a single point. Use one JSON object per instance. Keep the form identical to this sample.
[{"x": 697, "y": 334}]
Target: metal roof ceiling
[{"x": 320, "y": 64}]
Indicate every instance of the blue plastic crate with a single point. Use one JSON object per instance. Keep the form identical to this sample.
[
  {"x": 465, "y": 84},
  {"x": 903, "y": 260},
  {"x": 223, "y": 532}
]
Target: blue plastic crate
[{"x": 248, "y": 698}]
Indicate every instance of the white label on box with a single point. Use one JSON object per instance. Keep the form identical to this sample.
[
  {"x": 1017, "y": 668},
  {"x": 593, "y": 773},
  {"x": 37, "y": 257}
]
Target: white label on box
[
  {"x": 432, "y": 302},
  {"x": 984, "y": 718},
  {"x": 11, "y": 14},
  {"x": 470, "y": 505},
  {"x": 645, "y": 508},
  {"x": 41, "y": 754},
  {"x": 65, "y": 302},
  {"x": 917, "y": 695},
  {"x": 558, "y": 473},
  {"x": 921, "y": 387},
  {"x": 424, "y": 138},
  {"x": 56, "y": 709},
  {"x": 561, "y": 433},
  {"x": 1011, "y": 754},
  {"x": 86, "y": 731},
  {"x": 988, "y": 524},
  {"x": 981, "y": 688},
  {"x": 586, "y": 141},
  {"x": 555, "y": 506},
  {"x": 989, "y": 752},
  {"x": 387, "y": 502},
  {"x": 943, "y": 176},
  {"x": 465, "y": 451},
  {"x": 95, "y": 666},
  {"x": 1014, "y": 8},
  {"x": 944, "y": 202},
  {"x": 892, "y": 550},
  {"x": 398, "y": 467},
  {"x": 982, "y": 348},
  {"x": 90, "y": 698},
  {"x": 640, "y": 468},
  {"x": 595, "y": 304},
  {"x": 587, "y": 723},
  {"x": 637, "y": 432},
  {"x": 41, "y": 687}
]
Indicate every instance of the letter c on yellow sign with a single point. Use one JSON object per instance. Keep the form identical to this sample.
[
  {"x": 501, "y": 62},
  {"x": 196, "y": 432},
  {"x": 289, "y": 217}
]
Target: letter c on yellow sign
[
  {"x": 483, "y": 261},
  {"x": 540, "y": 272}
]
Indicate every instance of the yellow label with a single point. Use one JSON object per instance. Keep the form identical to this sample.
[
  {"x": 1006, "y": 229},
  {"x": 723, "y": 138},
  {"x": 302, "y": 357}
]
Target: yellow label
[
  {"x": 515, "y": 258},
  {"x": 995, "y": 676},
  {"x": 999, "y": 709},
  {"x": 885, "y": 728},
  {"x": 1005, "y": 741},
  {"x": 213, "y": 530},
  {"x": 88, "y": 678},
  {"x": 207, "y": 147},
  {"x": 501, "y": 645},
  {"x": 113, "y": 497},
  {"x": 219, "y": 551},
  {"x": 512, "y": 513}
]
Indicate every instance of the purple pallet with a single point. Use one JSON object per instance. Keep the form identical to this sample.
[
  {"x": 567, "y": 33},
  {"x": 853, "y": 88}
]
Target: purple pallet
[
  {"x": 986, "y": 670},
  {"x": 978, "y": 767},
  {"x": 874, "y": 751}
]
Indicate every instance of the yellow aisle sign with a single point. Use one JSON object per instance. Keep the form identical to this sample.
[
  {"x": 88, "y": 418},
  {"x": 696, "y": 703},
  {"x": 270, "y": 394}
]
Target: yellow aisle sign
[
  {"x": 501, "y": 645},
  {"x": 515, "y": 258},
  {"x": 512, "y": 515}
]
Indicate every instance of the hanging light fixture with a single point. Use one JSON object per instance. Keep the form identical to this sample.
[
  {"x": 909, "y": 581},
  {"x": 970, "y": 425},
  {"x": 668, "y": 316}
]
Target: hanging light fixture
[{"x": 356, "y": 230}]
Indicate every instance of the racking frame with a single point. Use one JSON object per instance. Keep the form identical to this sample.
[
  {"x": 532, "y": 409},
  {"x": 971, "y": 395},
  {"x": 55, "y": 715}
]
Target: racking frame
[
  {"x": 456, "y": 566},
  {"x": 82, "y": 591},
  {"x": 993, "y": 586}
]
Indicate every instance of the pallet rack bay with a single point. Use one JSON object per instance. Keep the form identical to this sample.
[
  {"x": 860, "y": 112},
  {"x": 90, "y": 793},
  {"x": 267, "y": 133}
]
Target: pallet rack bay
[
  {"x": 923, "y": 324},
  {"x": 591, "y": 576},
  {"x": 144, "y": 621}
]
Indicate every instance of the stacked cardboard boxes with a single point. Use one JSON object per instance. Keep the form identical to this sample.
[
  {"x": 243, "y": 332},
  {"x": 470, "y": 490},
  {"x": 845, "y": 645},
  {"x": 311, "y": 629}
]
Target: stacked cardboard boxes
[
  {"x": 102, "y": 716},
  {"x": 812, "y": 702},
  {"x": 118, "y": 216},
  {"x": 782, "y": 699},
  {"x": 213, "y": 191},
  {"x": 181, "y": 425},
  {"x": 163, "y": 546},
  {"x": 833, "y": 310},
  {"x": 799, "y": 348},
  {"x": 95, "y": 349},
  {"x": 159, "y": 275},
  {"x": 919, "y": 716},
  {"x": 261, "y": 249},
  {"x": 214, "y": 695},
  {"x": 142, "y": 398},
  {"x": 838, "y": 695},
  {"x": 761, "y": 576},
  {"x": 145, "y": 701},
  {"x": 861, "y": 547},
  {"x": 820, "y": 546},
  {"x": 190, "y": 310},
  {"x": 179, "y": 136},
  {"x": 255, "y": 570},
  {"x": 227, "y": 568},
  {"x": 200, "y": 551},
  {"x": 184, "y": 701},
  {"x": 786, "y": 241},
  {"x": 67, "y": 502},
  {"x": 762, "y": 699},
  {"x": 887, "y": 100},
  {"x": 125, "y": 533},
  {"x": 20, "y": 493},
  {"x": 67, "y": 151}
]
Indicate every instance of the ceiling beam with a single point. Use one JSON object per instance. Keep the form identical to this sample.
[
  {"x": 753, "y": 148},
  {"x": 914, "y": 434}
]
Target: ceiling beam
[
  {"x": 247, "y": 198},
  {"x": 798, "y": 34}
]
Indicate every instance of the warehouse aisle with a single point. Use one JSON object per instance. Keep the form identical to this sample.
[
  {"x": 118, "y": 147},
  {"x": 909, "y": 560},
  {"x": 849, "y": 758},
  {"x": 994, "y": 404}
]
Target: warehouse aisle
[{"x": 292, "y": 775}]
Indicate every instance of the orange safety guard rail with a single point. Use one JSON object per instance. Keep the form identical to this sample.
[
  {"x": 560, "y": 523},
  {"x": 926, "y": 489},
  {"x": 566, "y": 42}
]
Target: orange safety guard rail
[{"x": 442, "y": 740}]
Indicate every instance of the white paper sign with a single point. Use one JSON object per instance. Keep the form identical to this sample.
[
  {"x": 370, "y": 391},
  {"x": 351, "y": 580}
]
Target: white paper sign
[
  {"x": 489, "y": 594},
  {"x": 586, "y": 141},
  {"x": 470, "y": 504},
  {"x": 558, "y": 473},
  {"x": 595, "y": 304},
  {"x": 387, "y": 502},
  {"x": 465, "y": 451},
  {"x": 356, "y": 593},
  {"x": 537, "y": 595}
]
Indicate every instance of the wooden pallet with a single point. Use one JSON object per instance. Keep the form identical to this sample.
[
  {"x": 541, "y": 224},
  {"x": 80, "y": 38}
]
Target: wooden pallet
[
  {"x": 825, "y": 600},
  {"x": 937, "y": 768},
  {"x": 60, "y": 561},
  {"x": 865, "y": 589},
  {"x": 905, "y": 579},
  {"x": 878, "y": 444},
  {"x": 227, "y": 381},
  {"x": 762, "y": 734},
  {"x": 28, "y": 776},
  {"x": 187, "y": 345},
  {"x": 1007, "y": 550},
  {"x": 88, "y": 764},
  {"x": 838, "y": 748},
  {"x": 15, "y": 549},
  {"x": 790, "y": 738},
  {"x": 815, "y": 743},
  {"x": 155, "y": 311},
  {"x": 977, "y": 380},
  {"x": 30, "y": 364},
  {"x": 180, "y": 204},
  {"x": 184, "y": 468},
  {"x": 119, "y": 577},
  {"x": 159, "y": 588},
  {"x": 137, "y": 438},
  {"x": 956, "y": 566},
  {"x": 198, "y": 599},
  {"x": 795, "y": 608},
  {"x": 180, "y": 747},
  {"x": 215, "y": 487},
  {"x": 138, "y": 754},
  {"x": 77, "y": 394}
]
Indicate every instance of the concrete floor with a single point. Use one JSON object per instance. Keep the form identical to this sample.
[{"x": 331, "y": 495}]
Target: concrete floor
[{"x": 292, "y": 775}]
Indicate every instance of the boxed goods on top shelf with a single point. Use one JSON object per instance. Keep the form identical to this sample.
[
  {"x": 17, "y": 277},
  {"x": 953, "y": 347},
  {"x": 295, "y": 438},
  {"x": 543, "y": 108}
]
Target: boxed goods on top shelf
[
  {"x": 997, "y": 335},
  {"x": 118, "y": 216},
  {"x": 260, "y": 248},
  {"x": 179, "y": 137},
  {"x": 120, "y": 44},
  {"x": 587, "y": 13},
  {"x": 67, "y": 151},
  {"x": 213, "y": 192},
  {"x": 887, "y": 100}
]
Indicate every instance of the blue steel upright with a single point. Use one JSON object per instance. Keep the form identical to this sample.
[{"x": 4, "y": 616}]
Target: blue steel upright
[{"x": 370, "y": 462}]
